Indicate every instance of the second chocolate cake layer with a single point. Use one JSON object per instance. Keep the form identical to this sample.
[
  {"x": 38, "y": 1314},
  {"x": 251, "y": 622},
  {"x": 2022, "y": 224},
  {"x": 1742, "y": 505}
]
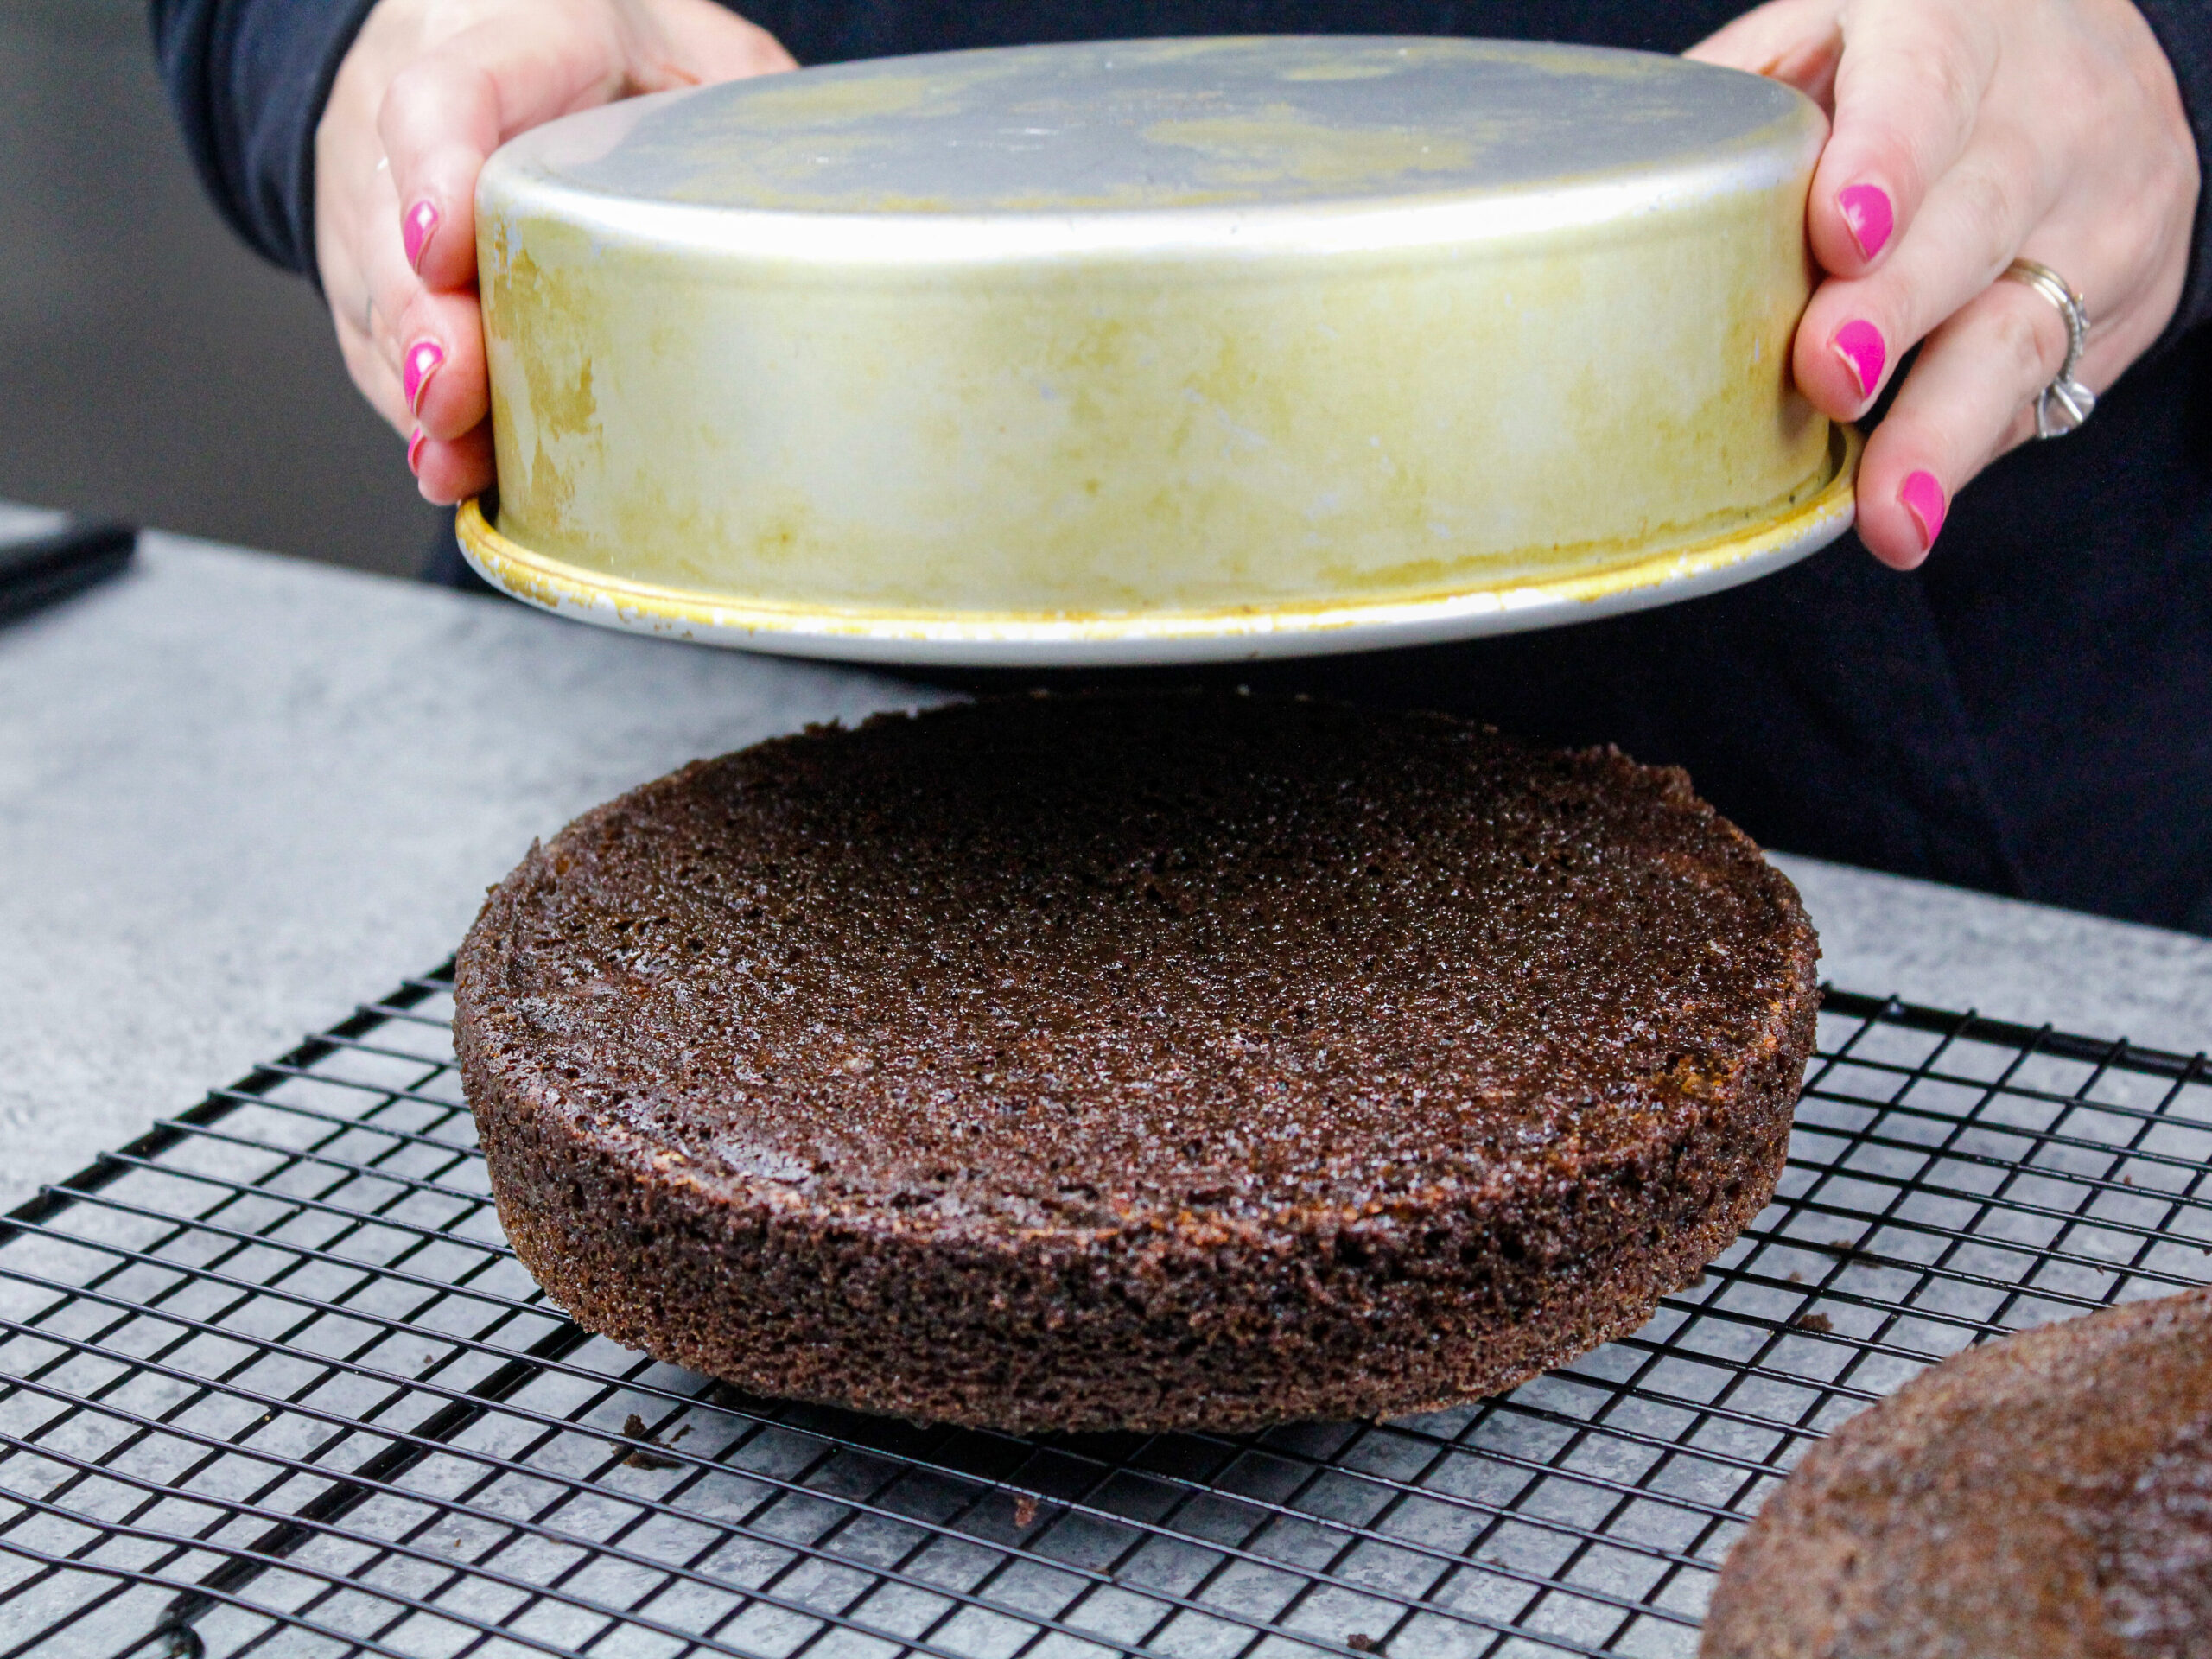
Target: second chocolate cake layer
[
  {"x": 1136, "y": 1062},
  {"x": 2045, "y": 1496}
]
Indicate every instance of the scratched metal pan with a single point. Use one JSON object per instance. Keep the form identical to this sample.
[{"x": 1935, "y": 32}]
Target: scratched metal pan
[{"x": 1153, "y": 351}]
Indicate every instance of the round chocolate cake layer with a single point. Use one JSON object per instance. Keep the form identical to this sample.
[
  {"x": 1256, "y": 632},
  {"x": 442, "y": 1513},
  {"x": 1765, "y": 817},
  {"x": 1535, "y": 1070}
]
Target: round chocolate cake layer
[
  {"x": 2046, "y": 1496},
  {"x": 1135, "y": 1061}
]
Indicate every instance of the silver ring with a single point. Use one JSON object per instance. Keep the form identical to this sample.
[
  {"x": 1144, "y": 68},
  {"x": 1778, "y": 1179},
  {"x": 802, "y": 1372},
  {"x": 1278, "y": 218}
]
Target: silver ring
[{"x": 2065, "y": 403}]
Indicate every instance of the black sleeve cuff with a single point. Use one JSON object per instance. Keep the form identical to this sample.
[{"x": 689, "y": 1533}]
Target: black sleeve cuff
[
  {"x": 2185, "y": 29},
  {"x": 248, "y": 80}
]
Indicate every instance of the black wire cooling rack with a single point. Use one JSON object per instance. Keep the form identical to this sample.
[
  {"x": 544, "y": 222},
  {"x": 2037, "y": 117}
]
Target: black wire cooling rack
[{"x": 271, "y": 1382}]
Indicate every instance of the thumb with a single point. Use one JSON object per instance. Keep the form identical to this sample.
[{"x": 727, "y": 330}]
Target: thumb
[
  {"x": 690, "y": 42},
  {"x": 1797, "y": 41}
]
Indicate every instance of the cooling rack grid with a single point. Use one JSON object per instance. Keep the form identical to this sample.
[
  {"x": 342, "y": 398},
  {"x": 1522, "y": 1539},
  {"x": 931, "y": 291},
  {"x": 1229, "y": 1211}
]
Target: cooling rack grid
[{"x": 271, "y": 1382}]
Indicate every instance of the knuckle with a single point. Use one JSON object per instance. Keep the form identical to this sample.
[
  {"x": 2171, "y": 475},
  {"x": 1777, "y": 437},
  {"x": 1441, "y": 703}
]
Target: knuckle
[
  {"x": 1888, "y": 155},
  {"x": 1986, "y": 211},
  {"x": 1952, "y": 80},
  {"x": 408, "y": 86},
  {"x": 443, "y": 19},
  {"x": 409, "y": 92},
  {"x": 2172, "y": 171},
  {"x": 1944, "y": 69},
  {"x": 429, "y": 94},
  {"x": 414, "y": 323}
]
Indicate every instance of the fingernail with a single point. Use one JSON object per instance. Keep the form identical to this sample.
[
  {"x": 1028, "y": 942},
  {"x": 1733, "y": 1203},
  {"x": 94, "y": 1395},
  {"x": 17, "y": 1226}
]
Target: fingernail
[
  {"x": 1868, "y": 216},
  {"x": 1923, "y": 499},
  {"x": 415, "y": 453},
  {"x": 415, "y": 231},
  {"x": 1859, "y": 343},
  {"x": 423, "y": 357}
]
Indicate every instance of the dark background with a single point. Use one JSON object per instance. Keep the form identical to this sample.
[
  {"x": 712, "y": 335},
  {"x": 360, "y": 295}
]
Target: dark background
[{"x": 152, "y": 368}]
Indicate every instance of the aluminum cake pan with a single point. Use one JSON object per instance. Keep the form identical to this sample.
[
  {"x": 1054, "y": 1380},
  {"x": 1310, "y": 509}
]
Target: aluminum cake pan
[{"x": 1147, "y": 350}]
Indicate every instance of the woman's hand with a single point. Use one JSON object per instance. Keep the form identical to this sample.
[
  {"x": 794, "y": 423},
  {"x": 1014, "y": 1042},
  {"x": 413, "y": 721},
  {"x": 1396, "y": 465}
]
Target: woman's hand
[
  {"x": 1969, "y": 133},
  {"x": 430, "y": 89}
]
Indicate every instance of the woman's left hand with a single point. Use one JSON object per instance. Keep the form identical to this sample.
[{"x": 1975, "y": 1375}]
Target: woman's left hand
[{"x": 1968, "y": 133}]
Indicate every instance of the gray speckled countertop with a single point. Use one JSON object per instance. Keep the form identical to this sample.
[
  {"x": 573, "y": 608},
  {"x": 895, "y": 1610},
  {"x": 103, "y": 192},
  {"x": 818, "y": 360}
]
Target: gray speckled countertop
[{"x": 239, "y": 794}]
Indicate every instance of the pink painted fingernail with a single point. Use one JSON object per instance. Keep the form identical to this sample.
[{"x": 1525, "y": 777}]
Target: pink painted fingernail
[
  {"x": 423, "y": 358},
  {"x": 1868, "y": 216},
  {"x": 1923, "y": 499},
  {"x": 415, "y": 230},
  {"x": 1859, "y": 343},
  {"x": 415, "y": 452}
]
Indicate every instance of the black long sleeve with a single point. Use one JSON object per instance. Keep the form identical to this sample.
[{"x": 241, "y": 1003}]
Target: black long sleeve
[
  {"x": 248, "y": 80},
  {"x": 2185, "y": 29}
]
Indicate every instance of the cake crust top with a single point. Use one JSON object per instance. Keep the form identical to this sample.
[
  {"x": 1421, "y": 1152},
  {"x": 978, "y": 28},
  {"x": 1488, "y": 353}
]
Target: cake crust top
[
  {"x": 2048, "y": 1496},
  {"x": 1096, "y": 962}
]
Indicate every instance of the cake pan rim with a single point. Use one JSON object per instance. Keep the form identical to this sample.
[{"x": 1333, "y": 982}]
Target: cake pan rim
[
  {"x": 1324, "y": 628},
  {"x": 777, "y": 237},
  {"x": 1473, "y": 218}
]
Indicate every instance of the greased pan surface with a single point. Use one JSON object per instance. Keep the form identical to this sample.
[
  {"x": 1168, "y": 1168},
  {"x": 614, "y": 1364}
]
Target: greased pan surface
[{"x": 1154, "y": 351}]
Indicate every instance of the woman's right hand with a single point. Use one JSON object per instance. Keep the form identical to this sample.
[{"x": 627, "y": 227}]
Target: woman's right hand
[{"x": 430, "y": 89}]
